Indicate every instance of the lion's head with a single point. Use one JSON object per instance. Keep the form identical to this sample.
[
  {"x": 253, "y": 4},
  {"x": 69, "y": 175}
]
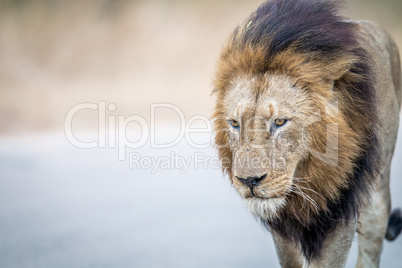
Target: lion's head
[
  {"x": 294, "y": 114},
  {"x": 280, "y": 140},
  {"x": 265, "y": 121}
]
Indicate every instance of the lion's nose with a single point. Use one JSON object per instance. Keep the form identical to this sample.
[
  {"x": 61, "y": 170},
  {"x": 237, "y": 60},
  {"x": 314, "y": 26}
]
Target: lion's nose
[{"x": 251, "y": 181}]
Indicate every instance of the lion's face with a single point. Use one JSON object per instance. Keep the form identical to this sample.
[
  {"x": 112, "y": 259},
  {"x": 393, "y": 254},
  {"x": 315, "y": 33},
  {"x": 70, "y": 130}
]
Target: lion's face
[{"x": 266, "y": 120}]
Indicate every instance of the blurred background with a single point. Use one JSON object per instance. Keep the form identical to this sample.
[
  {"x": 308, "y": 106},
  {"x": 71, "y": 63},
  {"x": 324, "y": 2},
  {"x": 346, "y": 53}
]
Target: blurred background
[{"x": 63, "y": 206}]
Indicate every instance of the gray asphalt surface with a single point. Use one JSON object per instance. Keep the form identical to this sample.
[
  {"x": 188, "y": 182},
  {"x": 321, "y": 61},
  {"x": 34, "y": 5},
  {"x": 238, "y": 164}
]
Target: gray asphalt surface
[{"x": 61, "y": 206}]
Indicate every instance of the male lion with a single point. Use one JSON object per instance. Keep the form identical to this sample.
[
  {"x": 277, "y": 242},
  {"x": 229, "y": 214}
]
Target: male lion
[{"x": 306, "y": 120}]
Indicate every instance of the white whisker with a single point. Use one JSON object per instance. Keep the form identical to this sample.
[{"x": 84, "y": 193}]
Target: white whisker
[{"x": 305, "y": 196}]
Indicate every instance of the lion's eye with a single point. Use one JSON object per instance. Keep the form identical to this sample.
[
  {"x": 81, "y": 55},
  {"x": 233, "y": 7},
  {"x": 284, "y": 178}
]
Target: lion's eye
[
  {"x": 280, "y": 122},
  {"x": 234, "y": 123}
]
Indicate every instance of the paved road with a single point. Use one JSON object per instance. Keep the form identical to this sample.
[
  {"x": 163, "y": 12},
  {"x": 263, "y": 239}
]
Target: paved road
[{"x": 62, "y": 206}]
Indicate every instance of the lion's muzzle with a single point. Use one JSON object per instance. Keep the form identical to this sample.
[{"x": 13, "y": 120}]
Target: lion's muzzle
[{"x": 251, "y": 181}]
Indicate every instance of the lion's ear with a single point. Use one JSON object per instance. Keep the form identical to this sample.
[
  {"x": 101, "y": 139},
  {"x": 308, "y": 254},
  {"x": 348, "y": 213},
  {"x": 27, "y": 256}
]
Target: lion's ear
[
  {"x": 336, "y": 70},
  {"x": 340, "y": 67}
]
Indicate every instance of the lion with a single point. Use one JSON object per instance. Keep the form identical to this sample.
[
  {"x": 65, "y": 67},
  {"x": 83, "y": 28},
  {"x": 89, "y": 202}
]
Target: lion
[{"x": 306, "y": 121}]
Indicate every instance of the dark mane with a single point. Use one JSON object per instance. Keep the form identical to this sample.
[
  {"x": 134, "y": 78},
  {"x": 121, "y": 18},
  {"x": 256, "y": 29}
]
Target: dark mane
[
  {"x": 314, "y": 30},
  {"x": 313, "y": 26}
]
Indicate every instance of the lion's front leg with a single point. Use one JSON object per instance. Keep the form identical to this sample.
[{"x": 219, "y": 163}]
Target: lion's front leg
[
  {"x": 373, "y": 224},
  {"x": 289, "y": 255},
  {"x": 336, "y": 247}
]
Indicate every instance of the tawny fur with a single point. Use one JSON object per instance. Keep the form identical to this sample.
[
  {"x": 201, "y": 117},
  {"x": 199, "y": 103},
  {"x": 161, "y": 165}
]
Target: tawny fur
[
  {"x": 333, "y": 150},
  {"x": 314, "y": 76}
]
